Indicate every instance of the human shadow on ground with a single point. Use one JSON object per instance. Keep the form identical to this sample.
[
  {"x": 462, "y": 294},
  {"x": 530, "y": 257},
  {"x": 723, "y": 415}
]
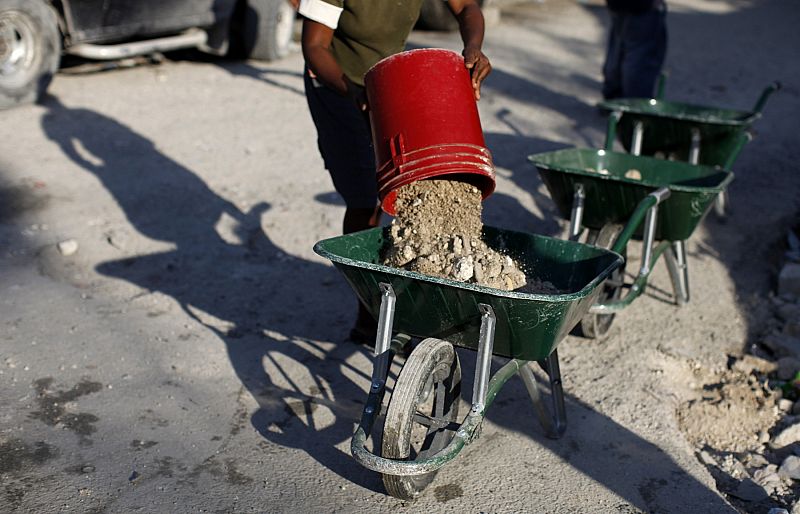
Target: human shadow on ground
[
  {"x": 262, "y": 303},
  {"x": 265, "y": 305}
]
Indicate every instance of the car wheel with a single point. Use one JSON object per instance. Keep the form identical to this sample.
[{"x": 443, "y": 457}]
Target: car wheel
[
  {"x": 436, "y": 15},
  {"x": 30, "y": 50},
  {"x": 268, "y": 29}
]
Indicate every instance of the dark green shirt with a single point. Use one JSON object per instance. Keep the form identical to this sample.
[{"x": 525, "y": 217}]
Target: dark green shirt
[{"x": 365, "y": 31}]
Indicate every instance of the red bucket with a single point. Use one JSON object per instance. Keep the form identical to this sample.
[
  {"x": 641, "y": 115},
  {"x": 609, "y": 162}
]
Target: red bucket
[{"x": 425, "y": 123}]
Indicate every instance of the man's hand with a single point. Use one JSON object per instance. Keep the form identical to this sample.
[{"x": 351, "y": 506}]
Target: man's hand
[
  {"x": 471, "y": 25},
  {"x": 479, "y": 67}
]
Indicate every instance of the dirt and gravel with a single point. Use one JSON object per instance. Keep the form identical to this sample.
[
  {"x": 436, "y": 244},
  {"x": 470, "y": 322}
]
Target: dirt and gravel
[
  {"x": 171, "y": 343},
  {"x": 438, "y": 231}
]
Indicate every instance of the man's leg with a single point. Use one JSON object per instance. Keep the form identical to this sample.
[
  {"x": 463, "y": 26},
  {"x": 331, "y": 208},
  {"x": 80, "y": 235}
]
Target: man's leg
[
  {"x": 612, "y": 68},
  {"x": 644, "y": 50}
]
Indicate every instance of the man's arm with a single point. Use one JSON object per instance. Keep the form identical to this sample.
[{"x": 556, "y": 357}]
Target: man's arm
[
  {"x": 471, "y": 25},
  {"x": 316, "y": 43}
]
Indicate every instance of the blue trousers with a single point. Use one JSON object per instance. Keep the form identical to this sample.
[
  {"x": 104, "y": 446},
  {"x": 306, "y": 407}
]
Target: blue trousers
[{"x": 637, "y": 46}]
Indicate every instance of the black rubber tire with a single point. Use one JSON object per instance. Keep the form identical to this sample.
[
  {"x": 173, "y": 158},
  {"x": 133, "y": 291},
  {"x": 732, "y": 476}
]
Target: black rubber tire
[
  {"x": 436, "y": 15},
  {"x": 267, "y": 30},
  {"x": 30, "y": 50},
  {"x": 596, "y": 326},
  {"x": 429, "y": 383}
]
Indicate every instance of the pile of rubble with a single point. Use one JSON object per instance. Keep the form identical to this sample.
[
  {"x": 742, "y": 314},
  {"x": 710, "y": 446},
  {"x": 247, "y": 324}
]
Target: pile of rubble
[{"x": 765, "y": 477}]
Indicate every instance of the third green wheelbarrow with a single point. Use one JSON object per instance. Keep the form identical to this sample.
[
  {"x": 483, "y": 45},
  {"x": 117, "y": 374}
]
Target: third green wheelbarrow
[
  {"x": 614, "y": 197},
  {"x": 698, "y": 134},
  {"x": 422, "y": 429}
]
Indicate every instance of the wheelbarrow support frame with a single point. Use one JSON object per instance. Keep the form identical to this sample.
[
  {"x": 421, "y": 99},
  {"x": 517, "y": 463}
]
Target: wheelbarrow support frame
[
  {"x": 484, "y": 391},
  {"x": 646, "y": 211}
]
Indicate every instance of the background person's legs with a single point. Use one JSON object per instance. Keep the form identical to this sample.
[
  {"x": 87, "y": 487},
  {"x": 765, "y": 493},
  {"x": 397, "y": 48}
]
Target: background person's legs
[
  {"x": 637, "y": 47},
  {"x": 644, "y": 49}
]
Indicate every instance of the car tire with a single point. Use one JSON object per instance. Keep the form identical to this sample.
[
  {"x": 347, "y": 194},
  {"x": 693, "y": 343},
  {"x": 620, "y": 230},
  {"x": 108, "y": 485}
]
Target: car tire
[
  {"x": 268, "y": 29},
  {"x": 30, "y": 50},
  {"x": 436, "y": 15}
]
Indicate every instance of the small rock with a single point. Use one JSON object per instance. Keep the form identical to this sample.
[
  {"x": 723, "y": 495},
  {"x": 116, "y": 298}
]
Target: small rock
[
  {"x": 789, "y": 280},
  {"x": 749, "y": 491},
  {"x": 785, "y": 405},
  {"x": 755, "y": 460},
  {"x": 707, "y": 459},
  {"x": 87, "y": 469},
  {"x": 768, "y": 478},
  {"x": 463, "y": 269},
  {"x": 68, "y": 247},
  {"x": 783, "y": 345},
  {"x": 134, "y": 476},
  {"x": 749, "y": 363},
  {"x": 117, "y": 239},
  {"x": 790, "y": 468},
  {"x": 763, "y": 437},
  {"x": 787, "y": 436},
  {"x": 787, "y": 367}
]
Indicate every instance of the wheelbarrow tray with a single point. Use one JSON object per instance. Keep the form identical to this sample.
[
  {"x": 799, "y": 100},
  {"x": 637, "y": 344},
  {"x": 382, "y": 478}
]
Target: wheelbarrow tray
[
  {"x": 668, "y": 127},
  {"x": 529, "y": 326},
  {"x": 612, "y": 198}
]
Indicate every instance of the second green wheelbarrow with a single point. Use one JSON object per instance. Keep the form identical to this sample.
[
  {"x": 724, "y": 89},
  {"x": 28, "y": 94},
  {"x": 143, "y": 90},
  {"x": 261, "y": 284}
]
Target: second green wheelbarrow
[
  {"x": 422, "y": 430},
  {"x": 615, "y": 197}
]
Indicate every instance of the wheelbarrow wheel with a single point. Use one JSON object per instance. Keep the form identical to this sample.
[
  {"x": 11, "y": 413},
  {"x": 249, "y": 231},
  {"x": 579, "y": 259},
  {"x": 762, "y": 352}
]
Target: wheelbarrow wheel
[
  {"x": 423, "y": 406},
  {"x": 596, "y": 326}
]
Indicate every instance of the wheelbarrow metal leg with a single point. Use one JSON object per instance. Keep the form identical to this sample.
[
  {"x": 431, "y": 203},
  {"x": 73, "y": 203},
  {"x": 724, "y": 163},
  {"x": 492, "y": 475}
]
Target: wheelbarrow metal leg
[
  {"x": 576, "y": 217},
  {"x": 636, "y": 140},
  {"x": 678, "y": 267},
  {"x": 384, "y": 338},
  {"x": 483, "y": 366},
  {"x": 694, "y": 147},
  {"x": 555, "y": 423},
  {"x": 650, "y": 222}
]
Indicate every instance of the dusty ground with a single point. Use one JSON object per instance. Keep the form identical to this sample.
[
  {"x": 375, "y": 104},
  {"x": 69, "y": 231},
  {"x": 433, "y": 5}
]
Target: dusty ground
[{"x": 189, "y": 357}]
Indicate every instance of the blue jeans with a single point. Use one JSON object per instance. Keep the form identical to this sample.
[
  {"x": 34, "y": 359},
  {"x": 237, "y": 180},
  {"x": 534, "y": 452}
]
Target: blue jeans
[{"x": 637, "y": 46}]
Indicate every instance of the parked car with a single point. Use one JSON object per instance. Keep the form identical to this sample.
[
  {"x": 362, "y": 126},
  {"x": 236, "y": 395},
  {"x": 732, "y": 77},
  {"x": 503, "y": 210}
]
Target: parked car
[{"x": 35, "y": 33}]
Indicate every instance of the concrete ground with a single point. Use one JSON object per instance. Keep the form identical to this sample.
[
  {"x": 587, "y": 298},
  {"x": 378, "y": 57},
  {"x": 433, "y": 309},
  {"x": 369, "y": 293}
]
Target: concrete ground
[{"x": 191, "y": 355}]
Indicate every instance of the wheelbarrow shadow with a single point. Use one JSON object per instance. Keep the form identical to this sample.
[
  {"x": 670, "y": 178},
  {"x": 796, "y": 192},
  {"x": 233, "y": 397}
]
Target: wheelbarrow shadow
[{"x": 271, "y": 309}]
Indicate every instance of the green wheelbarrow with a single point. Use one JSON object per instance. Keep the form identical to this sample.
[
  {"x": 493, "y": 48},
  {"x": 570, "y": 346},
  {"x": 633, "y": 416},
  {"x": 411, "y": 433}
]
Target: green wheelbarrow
[
  {"x": 422, "y": 429},
  {"x": 617, "y": 197},
  {"x": 697, "y": 134}
]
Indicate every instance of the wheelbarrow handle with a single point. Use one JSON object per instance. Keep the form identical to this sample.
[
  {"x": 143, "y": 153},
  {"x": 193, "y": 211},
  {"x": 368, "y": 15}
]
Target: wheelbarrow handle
[
  {"x": 639, "y": 215},
  {"x": 743, "y": 139},
  {"x": 762, "y": 100},
  {"x": 611, "y": 129}
]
